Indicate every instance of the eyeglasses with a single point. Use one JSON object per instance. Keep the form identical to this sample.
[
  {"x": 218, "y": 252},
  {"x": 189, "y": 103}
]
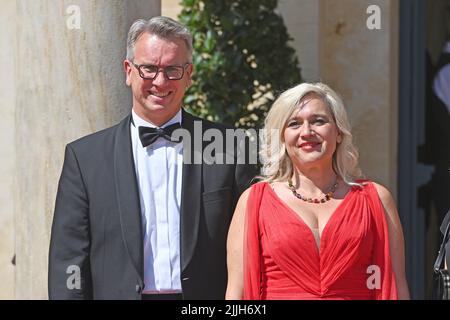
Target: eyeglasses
[{"x": 150, "y": 72}]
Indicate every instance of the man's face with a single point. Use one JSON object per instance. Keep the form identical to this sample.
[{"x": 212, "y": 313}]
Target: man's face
[{"x": 158, "y": 100}]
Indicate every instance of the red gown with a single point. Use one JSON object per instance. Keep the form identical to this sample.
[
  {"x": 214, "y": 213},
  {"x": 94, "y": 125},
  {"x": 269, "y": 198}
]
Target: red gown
[{"x": 282, "y": 260}]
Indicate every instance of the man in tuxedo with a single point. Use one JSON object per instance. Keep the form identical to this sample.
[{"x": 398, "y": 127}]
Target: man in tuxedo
[{"x": 136, "y": 217}]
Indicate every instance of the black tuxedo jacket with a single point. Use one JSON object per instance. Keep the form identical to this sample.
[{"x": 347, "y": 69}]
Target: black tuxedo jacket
[{"x": 96, "y": 247}]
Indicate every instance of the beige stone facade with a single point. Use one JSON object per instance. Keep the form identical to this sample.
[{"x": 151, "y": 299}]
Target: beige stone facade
[
  {"x": 7, "y": 150},
  {"x": 361, "y": 65},
  {"x": 62, "y": 79}
]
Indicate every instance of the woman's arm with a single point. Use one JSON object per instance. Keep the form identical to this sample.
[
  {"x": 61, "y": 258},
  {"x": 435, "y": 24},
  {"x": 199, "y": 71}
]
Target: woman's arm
[
  {"x": 396, "y": 241},
  {"x": 235, "y": 251}
]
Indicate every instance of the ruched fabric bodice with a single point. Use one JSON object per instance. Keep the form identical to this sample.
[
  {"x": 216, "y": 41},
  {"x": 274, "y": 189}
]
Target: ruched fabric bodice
[{"x": 283, "y": 261}]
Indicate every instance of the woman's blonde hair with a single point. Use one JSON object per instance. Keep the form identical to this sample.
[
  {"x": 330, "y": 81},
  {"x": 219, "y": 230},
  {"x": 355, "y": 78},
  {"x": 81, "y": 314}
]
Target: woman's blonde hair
[{"x": 277, "y": 166}]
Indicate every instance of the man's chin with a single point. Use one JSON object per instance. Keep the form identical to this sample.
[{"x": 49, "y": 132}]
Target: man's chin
[{"x": 157, "y": 108}]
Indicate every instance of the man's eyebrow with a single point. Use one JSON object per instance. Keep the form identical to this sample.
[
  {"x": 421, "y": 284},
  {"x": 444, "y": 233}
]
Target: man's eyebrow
[
  {"x": 146, "y": 64},
  {"x": 159, "y": 66}
]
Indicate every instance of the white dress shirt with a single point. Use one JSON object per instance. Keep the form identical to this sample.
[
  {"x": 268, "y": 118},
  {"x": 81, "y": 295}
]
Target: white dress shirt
[
  {"x": 159, "y": 173},
  {"x": 441, "y": 83}
]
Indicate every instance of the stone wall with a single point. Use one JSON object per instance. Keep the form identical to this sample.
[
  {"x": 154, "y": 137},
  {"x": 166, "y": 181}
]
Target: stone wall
[
  {"x": 361, "y": 65},
  {"x": 7, "y": 149},
  {"x": 69, "y": 82},
  {"x": 302, "y": 20}
]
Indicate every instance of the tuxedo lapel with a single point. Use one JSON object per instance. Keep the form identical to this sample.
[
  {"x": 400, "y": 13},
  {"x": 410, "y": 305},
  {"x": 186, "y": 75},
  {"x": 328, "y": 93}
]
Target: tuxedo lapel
[
  {"x": 129, "y": 204},
  {"x": 190, "y": 198},
  {"x": 127, "y": 194}
]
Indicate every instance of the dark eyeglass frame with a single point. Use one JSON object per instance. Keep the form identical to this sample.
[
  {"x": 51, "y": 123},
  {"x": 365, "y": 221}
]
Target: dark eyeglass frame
[{"x": 163, "y": 69}]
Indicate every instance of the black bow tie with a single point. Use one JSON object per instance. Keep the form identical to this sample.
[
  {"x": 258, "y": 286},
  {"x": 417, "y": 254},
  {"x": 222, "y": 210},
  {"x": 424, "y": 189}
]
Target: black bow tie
[{"x": 149, "y": 135}]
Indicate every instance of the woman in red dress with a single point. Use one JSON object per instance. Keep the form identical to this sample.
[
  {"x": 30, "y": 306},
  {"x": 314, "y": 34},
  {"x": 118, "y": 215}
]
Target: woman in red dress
[{"x": 312, "y": 228}]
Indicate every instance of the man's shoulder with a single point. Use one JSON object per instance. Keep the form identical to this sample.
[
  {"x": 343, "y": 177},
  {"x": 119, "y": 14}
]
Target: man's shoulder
[{"x": 206, "y": 124}]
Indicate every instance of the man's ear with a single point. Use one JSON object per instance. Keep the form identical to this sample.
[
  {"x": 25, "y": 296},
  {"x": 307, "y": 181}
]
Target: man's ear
[
  {"x": 127, "y": 68},
  {"x": 189, "y": 71}
]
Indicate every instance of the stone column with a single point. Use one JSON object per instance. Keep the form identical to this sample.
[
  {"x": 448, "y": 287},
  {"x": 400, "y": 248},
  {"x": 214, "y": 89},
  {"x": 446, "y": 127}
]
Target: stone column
[
  {"x": 69, "y": 82},
  {"x": 302, "y": 21},
  {"x": 361, "y": 64},
  {"x": 7, "y": 149}
]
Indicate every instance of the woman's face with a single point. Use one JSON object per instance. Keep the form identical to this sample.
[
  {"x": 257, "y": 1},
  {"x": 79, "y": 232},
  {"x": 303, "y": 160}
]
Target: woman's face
[{"x": 311, "y": 134}]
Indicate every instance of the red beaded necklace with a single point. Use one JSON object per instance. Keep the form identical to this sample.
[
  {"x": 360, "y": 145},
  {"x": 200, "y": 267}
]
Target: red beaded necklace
[{"x": 326, "y": 198}]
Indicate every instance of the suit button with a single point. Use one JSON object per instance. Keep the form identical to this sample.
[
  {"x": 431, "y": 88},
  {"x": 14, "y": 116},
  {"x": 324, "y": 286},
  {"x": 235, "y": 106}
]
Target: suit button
[{"x": 184, "y": 279}]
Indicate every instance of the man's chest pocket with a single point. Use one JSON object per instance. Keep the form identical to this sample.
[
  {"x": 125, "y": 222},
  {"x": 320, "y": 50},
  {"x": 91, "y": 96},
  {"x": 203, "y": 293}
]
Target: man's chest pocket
[{"x": 216, "y": 209}]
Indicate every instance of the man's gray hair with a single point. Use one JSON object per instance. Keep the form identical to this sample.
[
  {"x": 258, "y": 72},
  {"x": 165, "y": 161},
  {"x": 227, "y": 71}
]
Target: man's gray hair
[{"x": 163, "y": 27}]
